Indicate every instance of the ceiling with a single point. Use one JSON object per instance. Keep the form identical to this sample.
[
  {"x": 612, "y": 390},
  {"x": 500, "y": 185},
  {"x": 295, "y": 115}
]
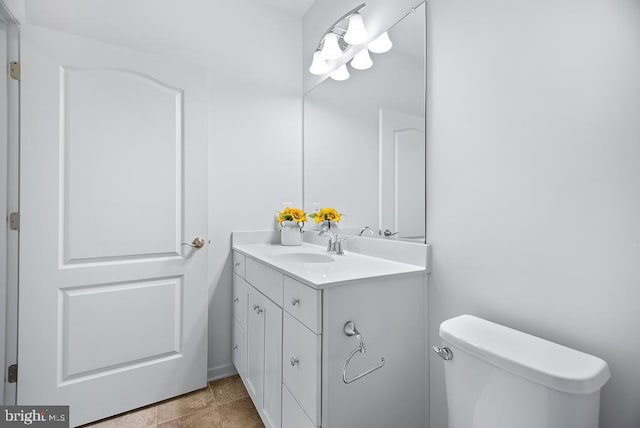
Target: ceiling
[{"x": 296, "y": 7}]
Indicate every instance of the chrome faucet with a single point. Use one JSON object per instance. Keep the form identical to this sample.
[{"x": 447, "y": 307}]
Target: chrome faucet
[
  {"x": 334, "y": 244},
  {"x": 366, "y": 229}
]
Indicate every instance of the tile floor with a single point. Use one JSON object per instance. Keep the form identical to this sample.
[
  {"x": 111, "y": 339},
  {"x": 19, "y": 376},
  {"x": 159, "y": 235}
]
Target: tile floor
[{"x": 223, "y": 403}]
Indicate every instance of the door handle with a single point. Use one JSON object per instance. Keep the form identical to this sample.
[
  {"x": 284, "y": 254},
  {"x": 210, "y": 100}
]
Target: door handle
[{"x": 196, "y": 243}]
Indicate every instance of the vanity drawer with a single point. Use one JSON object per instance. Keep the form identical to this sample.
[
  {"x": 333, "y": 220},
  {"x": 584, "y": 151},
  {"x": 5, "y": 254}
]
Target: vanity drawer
[
  {"x": 304, "y": 303},
  {"x": 240, "y": 300},
  {"x": 301, "y": 366},
  {"x": 239, "y": 263},
  {"x": 292, "y": 414},
  {"x": 265, "y": 280}
]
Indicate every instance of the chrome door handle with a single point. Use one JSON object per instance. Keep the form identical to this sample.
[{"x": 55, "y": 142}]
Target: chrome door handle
[{"x": 196, "y": 243}]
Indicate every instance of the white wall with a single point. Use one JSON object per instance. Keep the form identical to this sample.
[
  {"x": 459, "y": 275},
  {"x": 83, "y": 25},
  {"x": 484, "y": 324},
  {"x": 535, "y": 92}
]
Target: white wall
[
  {"x": 533, "y": 178},
  {"x": 252, "y": 52}
]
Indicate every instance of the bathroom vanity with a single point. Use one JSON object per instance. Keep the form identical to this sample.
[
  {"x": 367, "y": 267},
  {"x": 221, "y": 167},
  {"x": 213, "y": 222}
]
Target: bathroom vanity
[{"x": 331, "y": 341}]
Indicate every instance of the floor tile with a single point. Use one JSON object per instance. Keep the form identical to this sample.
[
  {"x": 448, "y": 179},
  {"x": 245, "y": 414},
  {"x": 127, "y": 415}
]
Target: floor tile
[
  {"x": 184, "y": 404},
  {"x": 145, "y": 417},
  {"x": 240, "y": 414},
  {"x": 209, "y": 417},
  {"x": 228, "y": 389}
]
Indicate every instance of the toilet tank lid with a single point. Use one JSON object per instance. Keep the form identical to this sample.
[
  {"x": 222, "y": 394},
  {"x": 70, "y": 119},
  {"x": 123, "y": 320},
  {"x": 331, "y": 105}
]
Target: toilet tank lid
[{"x": 547, "y": 363}]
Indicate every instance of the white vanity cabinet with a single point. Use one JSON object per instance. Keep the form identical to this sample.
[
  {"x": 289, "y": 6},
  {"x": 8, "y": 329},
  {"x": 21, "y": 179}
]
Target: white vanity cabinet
[
  {"x": 294, "y": 348},
  {"x": 257, "y": 335}
]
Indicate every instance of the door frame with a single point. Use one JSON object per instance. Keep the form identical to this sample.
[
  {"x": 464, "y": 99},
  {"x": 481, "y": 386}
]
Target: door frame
[{"x": 10, "y": 201}]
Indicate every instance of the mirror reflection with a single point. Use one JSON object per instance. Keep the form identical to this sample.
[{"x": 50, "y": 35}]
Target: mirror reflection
[{"x": 364, "y": 140}]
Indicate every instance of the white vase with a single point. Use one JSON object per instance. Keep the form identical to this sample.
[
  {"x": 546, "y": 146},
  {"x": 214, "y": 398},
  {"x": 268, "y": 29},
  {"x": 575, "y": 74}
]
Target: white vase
[{"x": 291, "y": 233}]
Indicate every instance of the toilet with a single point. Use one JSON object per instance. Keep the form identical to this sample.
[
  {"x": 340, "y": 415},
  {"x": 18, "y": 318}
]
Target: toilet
[{"x": 498, "y": 377}]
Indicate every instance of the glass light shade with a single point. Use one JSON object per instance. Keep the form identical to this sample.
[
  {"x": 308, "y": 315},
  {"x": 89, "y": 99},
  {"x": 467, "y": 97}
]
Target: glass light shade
[
  {"x": 380, "y": 45},
  {"x": 362, "y": 60},
  {"x": 341, "y": 73},
  {"x": 330, "y": 48},
  {"x": 318, "y": 65},
  {"x": 356, "y": 33}
]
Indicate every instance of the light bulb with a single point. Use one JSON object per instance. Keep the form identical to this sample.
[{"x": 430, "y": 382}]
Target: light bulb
[
  {"x": 362, "y": 60},
  {"x": 341, "y": 73},
  {"x": 356, "y": 33},
  {"x": 380, "y": 45},
  {"x": 330, "y": 48},
  {"x": 318, "y": 65}
]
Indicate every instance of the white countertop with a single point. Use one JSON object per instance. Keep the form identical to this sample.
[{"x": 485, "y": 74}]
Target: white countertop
[{"x": 345, "y": 268}]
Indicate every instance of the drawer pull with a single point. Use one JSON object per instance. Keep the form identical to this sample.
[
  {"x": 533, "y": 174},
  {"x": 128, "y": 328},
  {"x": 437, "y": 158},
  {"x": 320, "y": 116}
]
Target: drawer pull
[
  {"x": 294, "y": 361},
  {"x": 235, "y": 347},
  {"x": 236, "y": 300},
  {"x": 295, "y": 301}
]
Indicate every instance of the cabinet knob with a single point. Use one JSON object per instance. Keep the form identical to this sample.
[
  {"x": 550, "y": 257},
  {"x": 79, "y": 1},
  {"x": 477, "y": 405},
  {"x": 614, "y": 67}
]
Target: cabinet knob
[
  {"x": 235, "y": 347},
  {"x": 259, "y": 310},
  {"x": 236, "y": 264},
  {"x": 295, "y": 301},
  {"x": 294, "y": 361},
  {"x": 255, "y": 307},
  {"x": 236, "y": 300}
]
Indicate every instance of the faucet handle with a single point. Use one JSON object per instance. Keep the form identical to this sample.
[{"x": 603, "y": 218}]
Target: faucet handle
[
  {"x": 330, "y": 244},
  {"x": 387, "y": 232},
  {"x": 339, "y": 247}
]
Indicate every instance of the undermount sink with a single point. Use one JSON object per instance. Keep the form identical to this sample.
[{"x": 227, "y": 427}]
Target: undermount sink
[{"x": 303, "y": 258}]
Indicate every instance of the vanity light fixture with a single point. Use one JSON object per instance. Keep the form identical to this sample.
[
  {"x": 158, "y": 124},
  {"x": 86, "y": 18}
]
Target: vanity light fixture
[
  {"x": 319, "y": 65},
  {"x": 330, "y": 47},
  {"x": 341, "y": 73},
  {"x": 362, "y": 60},
  {"x": 381, "y": 44},
  {"x": 356, "y": 33},
  {"x": 348, "y": 30}
]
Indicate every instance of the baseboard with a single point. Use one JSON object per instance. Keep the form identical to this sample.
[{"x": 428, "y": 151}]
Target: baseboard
[{"x": 219, "y": 372}]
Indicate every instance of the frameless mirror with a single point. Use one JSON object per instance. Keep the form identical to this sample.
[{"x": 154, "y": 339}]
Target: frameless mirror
[{"x": 364, "y": 140}]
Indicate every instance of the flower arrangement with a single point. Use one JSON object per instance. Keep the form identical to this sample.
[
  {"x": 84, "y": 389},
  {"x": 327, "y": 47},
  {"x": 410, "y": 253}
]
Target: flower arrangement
[
  {"x": 292, "y": 214},
  {"x": 326, "y": 214}
]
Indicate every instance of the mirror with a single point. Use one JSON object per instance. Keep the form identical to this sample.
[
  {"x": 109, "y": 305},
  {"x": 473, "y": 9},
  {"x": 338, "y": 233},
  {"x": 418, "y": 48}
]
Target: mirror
[{"x": 364, "y": 140}]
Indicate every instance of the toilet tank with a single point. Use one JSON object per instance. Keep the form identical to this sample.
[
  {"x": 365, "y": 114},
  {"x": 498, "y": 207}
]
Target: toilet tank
[{"x": 499, "y": 377}]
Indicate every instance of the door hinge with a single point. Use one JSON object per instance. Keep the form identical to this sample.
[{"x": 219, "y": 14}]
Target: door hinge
[
  {"x": 12, "y": 373},
  {"x": 14, "y": 70},
  {"x": 14, "y": 221}
]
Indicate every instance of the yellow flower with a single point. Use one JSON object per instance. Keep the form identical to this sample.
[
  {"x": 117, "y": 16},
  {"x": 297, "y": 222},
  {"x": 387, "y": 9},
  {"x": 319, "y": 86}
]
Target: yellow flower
[
  {"x": 292, "y": 214},
  {"x": 326, "y": 214}
]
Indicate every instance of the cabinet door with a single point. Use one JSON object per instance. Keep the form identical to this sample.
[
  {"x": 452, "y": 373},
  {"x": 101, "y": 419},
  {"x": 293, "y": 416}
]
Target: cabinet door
[
  {"x": 272, "y": 403},
  {"x": 240, "y": 295},
  {"x": 302, "y": 366},
  {"x": 239, "y": 351},
  {"x": 255, "y": 347}
]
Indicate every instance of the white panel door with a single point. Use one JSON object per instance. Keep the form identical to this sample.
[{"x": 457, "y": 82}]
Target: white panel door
[
  {"x": 402, "y": 174},
  {"x": 113, "y": 309}
]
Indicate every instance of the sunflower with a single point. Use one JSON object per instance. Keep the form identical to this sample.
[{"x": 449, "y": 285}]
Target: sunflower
[
  {"x": 292, "y": 214},
  {"x": 325, "y": 214}
]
